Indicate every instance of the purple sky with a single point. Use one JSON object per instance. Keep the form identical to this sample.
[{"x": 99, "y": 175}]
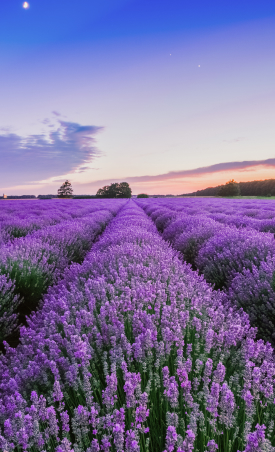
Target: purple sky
[{"x": 170, "y": 97}]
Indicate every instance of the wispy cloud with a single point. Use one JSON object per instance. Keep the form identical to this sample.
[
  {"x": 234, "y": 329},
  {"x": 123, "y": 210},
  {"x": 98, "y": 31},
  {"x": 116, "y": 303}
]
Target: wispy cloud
[
  {"x": 234, "y": 140},
  {"x": 219, "y": 167},
  {"x": 36, "y": 157},
  {"x": 193, "y": 173}
]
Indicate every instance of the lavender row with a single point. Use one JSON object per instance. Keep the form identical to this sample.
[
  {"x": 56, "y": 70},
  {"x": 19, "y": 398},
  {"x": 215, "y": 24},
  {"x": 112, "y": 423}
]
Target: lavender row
[
  {"x": 239, "y": 261},
  {"x": 133, "y": 351},
  {"x": 253, "y": 214},
  {"x": 252, "y": 208},
  {"x": 18, "y": 219},
  {"x": 29, "y": 265}
]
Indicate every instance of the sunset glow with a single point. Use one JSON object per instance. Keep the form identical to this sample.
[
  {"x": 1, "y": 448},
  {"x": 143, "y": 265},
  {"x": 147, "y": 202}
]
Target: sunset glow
[{"x": 133, "y": 91}]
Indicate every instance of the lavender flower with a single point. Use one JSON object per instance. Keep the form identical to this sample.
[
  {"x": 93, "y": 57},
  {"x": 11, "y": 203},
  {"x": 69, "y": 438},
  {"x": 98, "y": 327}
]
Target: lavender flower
[
  {"x": 256, "y": 440},
  {"x": 171, "y": 438},
  {"x": 131, "y": 441},
  {"x": 65, "y": 446},
  {"x": 108, "y": 395},
  {"x": 212, "y": 446},
  {"x": 118, "y": 434},
  {"x": 188, "y": 443},
  {"x": 134, "y": 321}
]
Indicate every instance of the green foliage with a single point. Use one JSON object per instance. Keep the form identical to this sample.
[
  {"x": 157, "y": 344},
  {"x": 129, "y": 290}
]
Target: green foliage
[
  {"x": 115, "y": 190},
  {"x": 231, "y": 188},
  {"x": 84, "y": 197},
  {"x": 66, "y": 190},
  {"x": 9, "y": 301},
  {"x": 264, "y": 188},
  {"x": 31, "y": 281},
  {"x": 142, "y": 195}
]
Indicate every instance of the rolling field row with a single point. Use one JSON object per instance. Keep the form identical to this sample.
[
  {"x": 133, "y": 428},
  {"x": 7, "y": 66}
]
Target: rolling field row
[
  {"x": 233, "y": 256},
  {"x": 134, "y": 351},
  {"x": 29, "y": 264}
]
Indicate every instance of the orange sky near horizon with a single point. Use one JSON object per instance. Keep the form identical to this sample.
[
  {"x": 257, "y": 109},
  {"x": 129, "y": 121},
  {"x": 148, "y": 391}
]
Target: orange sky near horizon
[
  {"x": 191, "y": 184},
  {"x": 176, "y": 186}
]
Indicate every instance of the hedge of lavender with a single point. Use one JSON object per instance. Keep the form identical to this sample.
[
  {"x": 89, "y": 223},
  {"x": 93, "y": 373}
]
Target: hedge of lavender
[
  {"x": 256, "y": 288},
  {"x": 133, "y": 351},
  {"x": 233, "y": 255},
  {"x": 19, "y": 218},
  {"x": 31, "y": 263},
  {"x": 251, "y": 213}
]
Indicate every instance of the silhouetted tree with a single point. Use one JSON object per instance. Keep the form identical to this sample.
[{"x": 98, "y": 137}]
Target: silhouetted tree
[
  {"x": 252, "y": 188},
  {"x": 231, "y": 188},
  {"x": 66, "y": 190},
  {"x": 115, "y": 190},
  {"x": 142, "y": 195}
]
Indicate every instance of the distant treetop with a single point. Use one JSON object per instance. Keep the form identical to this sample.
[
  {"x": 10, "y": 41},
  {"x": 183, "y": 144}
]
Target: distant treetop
[
  {"x": 115, "y": 190},
  {"x": 66, "y": 190},
  {"x": 231, "y": 188},
  {"x": 142, "y": 195},
  {"x": 252, "y": 188}
]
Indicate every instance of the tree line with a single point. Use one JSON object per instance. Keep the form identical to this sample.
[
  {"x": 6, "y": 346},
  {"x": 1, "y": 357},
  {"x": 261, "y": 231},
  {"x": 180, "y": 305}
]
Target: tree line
[
  {"x": 232, "y": 188},
  {"x": 115, "y": 190}
]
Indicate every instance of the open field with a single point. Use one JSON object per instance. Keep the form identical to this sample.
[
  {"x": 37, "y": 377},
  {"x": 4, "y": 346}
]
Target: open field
[
  {"x": 230, "y": 197},
  {"x": 253, "y": 197},
  {"x": 148, "y": 325}
]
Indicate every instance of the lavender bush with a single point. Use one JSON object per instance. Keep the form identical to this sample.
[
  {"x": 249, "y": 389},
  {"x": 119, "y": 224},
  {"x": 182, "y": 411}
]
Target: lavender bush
[
  {"x": 18, "y": 219},
  {"x": 254, "y": 291},
  {"x": 196, "y": 231},
  {"x": 8, "y": 304},
  {"x": 231, "y": 251},
  {"x": 133, "y": 351},
  {"x": 36, "y": 261},
  {"x": 254, "y": 214},
  {"x": 226, "y": 245}
]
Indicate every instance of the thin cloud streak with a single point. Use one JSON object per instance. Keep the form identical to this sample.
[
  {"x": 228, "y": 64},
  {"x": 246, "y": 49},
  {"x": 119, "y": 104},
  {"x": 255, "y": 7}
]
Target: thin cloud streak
[
  {"x": 192, "y": 173},
  {"x": 219, "y": 167},
  {"x": 234, "y": 140}
]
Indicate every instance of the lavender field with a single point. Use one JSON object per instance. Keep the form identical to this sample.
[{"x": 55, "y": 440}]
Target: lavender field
[{"x": 137, "y": 326}]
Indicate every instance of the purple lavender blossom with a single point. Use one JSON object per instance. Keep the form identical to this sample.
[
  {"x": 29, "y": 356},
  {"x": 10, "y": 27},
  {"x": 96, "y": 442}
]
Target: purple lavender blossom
[
  {"x": 109, "y": 394},
  {"x": 256, "y": 440},
  {"x": 188, "y": 443},
  {"x": 171, "y": 438},
  {"x": 212, "y": 446},
  {"x": 134, "y": 321}
]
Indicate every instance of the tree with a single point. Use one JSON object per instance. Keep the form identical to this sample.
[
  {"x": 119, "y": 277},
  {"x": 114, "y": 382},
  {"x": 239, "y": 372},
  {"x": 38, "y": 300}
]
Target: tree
[
  {"x": 66, "y": 190},
  {"x": 231, "y": 188},
  {"x": 115, "y": 190},
  {"x": 142, "y": 195}
]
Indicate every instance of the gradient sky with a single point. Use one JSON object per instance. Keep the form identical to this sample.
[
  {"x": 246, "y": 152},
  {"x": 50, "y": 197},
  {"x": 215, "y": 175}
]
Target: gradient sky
[{"x": 171, "y": 96}]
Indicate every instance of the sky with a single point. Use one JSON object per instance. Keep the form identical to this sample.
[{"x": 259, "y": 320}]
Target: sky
[{"x": 171, "y": 96}]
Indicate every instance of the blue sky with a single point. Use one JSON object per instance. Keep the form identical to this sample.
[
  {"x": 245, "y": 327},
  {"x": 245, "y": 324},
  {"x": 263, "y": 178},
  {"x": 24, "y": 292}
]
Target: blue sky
[{"x": 145, "y": 91}]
